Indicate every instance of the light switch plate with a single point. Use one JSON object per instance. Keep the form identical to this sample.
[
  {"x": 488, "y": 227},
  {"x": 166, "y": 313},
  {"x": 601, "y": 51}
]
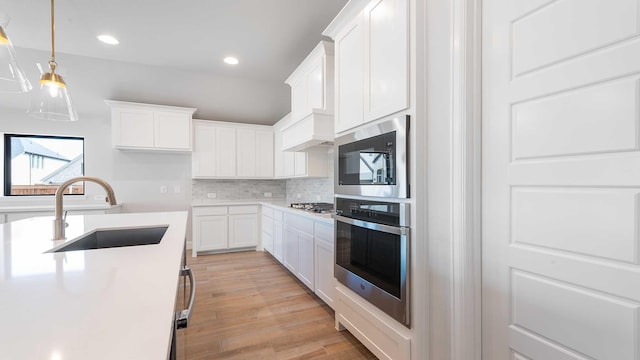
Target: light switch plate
[
  {"x": 268, "y": 194},
  {"x": 211, "y": 195}
]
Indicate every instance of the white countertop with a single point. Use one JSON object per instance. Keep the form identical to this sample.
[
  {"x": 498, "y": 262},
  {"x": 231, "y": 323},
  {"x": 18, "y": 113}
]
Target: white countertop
[
  {"x": 115, "y": 303},
  {"x": 201, "y": 203},
  {"x": 325, "y": 218},
  {"x": 279, "y": 204},
  {"x": 13, "y": 208}
]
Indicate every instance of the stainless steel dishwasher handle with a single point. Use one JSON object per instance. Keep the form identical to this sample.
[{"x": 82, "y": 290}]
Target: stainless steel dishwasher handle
[{"x": 183, "y": 316}]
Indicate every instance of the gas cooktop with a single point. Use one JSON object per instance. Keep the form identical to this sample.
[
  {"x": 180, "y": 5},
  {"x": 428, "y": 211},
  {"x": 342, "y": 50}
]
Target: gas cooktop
[{"x": 322, "y": 208}]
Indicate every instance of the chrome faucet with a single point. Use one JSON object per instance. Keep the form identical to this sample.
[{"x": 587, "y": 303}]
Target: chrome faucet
[{"x": 60, "y": 223}]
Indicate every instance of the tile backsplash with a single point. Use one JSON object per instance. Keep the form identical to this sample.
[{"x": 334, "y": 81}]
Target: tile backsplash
[
  {"x": 313, "y": 189},
  {"x": 293, "y": 190},
  {"x": 238, "y": 189}
]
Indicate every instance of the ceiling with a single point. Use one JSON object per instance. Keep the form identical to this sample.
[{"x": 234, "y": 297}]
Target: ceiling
[{"x": 177, "y": 42}]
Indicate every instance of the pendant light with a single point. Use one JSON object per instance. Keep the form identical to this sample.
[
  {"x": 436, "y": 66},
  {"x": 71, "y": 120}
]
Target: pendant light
[
  {"x": 12, "y": 78},
  {"x": 52, "y": 101}
]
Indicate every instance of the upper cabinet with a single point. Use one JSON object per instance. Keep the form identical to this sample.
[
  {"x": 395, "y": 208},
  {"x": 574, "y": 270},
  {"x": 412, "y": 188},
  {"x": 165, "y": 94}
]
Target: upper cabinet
[
  {"x": 312, "y": 99},
  {"x": 228, "y": 150},
  {"x": 349, "y": 76},
  {"x": 372, "y": 61},
  {"x": 136, "y": 126}
]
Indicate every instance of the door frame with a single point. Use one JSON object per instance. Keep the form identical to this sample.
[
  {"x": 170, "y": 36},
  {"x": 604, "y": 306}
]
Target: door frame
[
  {"x": 453, "y": 65},
  {"x": 466, "y": 176}
]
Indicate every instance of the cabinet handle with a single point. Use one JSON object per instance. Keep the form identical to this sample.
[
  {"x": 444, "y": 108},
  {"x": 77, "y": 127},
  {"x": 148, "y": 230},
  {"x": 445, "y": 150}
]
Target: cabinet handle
[{"x": 183, "y": 316}]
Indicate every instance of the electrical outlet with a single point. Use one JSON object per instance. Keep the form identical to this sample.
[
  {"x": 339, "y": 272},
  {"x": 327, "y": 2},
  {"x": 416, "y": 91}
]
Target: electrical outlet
[
  {"x": 298, "y": 196},
  {"x": 268, "y": 194},
  {"x": 318, "y": 198},
  {"x": 163, "y": 189},
  {"x": 211, "y": 195},
  {"x": 176, "y": 189}
]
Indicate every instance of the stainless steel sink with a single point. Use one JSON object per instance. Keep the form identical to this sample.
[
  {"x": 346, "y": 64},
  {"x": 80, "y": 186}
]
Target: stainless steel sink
[{"x": 116, "y": 237}]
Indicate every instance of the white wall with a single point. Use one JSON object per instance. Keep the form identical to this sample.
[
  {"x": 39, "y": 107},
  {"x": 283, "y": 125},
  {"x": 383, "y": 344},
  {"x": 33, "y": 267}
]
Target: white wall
[{"x": 136, "y": 177}]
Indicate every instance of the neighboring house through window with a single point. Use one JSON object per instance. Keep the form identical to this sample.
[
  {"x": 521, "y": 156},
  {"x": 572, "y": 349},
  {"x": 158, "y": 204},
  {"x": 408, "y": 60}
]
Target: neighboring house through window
[{"x": 36, "y": 165}]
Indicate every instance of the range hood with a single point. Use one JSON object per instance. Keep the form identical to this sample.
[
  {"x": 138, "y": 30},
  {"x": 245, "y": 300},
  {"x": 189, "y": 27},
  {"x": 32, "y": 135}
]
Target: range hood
[{"x": 313, "y": 131}]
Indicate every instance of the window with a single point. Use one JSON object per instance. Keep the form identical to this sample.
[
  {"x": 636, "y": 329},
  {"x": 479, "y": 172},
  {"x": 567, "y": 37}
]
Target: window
[{"x": 37, "y": 165}]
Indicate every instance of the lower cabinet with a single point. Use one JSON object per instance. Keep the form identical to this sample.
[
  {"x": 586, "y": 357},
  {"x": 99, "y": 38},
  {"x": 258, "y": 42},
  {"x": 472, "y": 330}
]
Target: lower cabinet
[
  {"x": 304, "y": 246},
  {"x": 290, "y": 258},
  {"x": 220, "y": 228},
  {"x": 278, "y": 235},
  {"x": 324, "y": 255}
]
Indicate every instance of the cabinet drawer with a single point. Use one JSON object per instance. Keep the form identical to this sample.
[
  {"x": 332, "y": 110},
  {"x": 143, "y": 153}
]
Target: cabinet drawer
[
  {"x": 267, "y": 211},
  {"x": 244, "y": 209},
  {"x": 213, "y": 210},
  {"x": 299, "y": 223},
  {"x": 323, "y": 231}
]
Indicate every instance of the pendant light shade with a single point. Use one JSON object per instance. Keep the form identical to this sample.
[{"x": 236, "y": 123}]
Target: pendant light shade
[
  {"x": 52, "y": 100},
  {"x": 12, "y": 78}
]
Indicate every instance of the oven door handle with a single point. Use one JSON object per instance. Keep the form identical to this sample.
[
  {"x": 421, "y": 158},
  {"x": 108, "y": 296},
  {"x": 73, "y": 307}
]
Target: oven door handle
[
  {"x": 396, "y": 230},
  {"x": 183, "y": 316}
]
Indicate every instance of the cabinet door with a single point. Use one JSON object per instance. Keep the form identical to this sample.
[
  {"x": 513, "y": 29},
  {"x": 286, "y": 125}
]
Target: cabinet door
[
  {"x": 267, "y": 234},
  {"x": 245, "y": 152},
  {"x": 172, "y": 131},
  {"x": 291, "y": 250},
  {"x": 264, "y": 153},
  {"x": 278, "y": 242},
  {"x": 325, "y": 285},
  {"x": 243, "y": 230},
  {"x": 225, "y": 155},
  {"x": 203, "y": 162},
  {"x": 315, "y": 86},
  {"x": 300, "y": 161},
  {"x": 210, "y": 232},
  {"x": 133, "y": 128},
  {"x": 306, "y": 264},
  {"x": 349, "y": 76},
  {"x": 289, "y": 163},
  {"x": 386, "y": 53},
  {"x": 299, "y": 99}
]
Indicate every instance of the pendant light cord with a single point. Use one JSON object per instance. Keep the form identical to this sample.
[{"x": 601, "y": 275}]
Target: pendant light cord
[{"x": 53, "y": 38}]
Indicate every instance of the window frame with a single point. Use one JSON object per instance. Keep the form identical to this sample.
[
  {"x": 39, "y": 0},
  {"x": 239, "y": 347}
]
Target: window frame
[{"x": 7, "y": 162}]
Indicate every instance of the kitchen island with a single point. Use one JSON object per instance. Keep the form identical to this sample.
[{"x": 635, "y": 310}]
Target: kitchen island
[{"x": 112, "y": 303}]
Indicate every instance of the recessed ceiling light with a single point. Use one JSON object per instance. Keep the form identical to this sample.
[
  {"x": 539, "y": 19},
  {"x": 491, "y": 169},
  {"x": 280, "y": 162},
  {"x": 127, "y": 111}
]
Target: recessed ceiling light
[
  {"x": 231, "y": 60},
  {"x": 108, "y": 39}
]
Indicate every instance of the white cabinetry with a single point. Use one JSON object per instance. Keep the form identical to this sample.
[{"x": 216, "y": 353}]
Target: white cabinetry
[
  {"x": 324, "y": 260},
  {"x": 372, "y": 61},
  {"x": 312, "y": 83},
  {"x": 287, "y": 164},
  {"x": 298, "y": 248},
  {"x": 304, "y": 246},
  {"x": 226, "y": 150},
  {"x": 137, "y": 126},
  {"x": 312, "y": 99},
  {"x": 349, "y": 45},
  {"x": 278, "y": 235},
  {"x": 223, "y": 228},
  {"x": 267, "y": 229}
]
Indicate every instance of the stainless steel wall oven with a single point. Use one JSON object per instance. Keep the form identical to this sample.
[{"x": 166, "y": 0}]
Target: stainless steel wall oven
[
  {"x": 373, "y": 161},
  {"x": 372, "y": 253}
]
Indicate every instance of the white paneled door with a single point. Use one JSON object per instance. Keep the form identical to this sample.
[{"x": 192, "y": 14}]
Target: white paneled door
[{"x": 561, "y": 179}]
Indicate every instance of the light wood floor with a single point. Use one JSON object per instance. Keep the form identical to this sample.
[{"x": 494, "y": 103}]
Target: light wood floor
[{"x": 249, "y": 307}]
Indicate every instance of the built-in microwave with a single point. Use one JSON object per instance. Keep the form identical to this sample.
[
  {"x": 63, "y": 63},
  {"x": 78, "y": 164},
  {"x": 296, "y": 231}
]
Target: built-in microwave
[{"x": 373, "y": 161}]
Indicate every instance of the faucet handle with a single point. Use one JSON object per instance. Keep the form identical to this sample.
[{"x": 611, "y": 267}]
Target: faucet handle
[{"x": 64, "y": 218}]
